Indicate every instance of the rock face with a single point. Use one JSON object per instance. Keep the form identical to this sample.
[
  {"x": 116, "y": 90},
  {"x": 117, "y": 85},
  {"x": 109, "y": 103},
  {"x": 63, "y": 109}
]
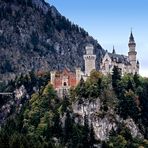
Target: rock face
[
  {"x": 35, "y": 36},
  {"x": 103, "y": 123},
  {"x": 20, "y": 95}
]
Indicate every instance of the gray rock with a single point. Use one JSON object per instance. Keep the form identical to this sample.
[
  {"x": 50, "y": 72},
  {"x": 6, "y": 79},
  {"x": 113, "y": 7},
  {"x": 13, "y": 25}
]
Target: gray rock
[{"x": 102, "y": 124}]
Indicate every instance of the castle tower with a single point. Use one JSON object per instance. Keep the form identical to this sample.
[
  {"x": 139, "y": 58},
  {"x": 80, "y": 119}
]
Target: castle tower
[
  {"x": 90, "y": 59},
  {"x": 52, "y": 77},
  {"x": 78, "y": 75},
  {"x": 113, "y": 52},
  {"x": 132, "y": 53}
]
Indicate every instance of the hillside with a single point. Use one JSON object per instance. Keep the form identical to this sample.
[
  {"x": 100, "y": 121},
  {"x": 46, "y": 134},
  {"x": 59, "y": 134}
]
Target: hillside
[
  {"x": 105, "y": 111},
  {"x": 35, "y": 36}
]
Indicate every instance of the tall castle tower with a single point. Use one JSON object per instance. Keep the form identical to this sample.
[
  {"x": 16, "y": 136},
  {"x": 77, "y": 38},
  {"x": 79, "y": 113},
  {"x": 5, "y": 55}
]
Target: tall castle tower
[
  {"x": 78, "y": 75},
  {"x": 90, "y": 59},
  {"x": 132, "y": 54},
  {"x": 52, "y": 77}
]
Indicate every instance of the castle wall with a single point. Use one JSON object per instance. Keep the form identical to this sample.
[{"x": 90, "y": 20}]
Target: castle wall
[{"x": 89, "y": 63}]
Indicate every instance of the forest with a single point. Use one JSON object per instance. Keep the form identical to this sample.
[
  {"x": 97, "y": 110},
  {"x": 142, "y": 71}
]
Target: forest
[{"x": 43, "y": 120}]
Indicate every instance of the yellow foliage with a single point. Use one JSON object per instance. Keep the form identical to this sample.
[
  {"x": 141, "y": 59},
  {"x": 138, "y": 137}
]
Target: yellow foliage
[
  {"x": 94, "y": 76},
  {"x": 141, "y": 146}
]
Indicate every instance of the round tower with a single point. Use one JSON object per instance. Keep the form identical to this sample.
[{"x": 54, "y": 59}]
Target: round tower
[
  {"x": 52, "y": 77},
  {"x": 78, "y": 75},
  {"x": 132, "y": 53},
  {"x": 90, "y": 59}
]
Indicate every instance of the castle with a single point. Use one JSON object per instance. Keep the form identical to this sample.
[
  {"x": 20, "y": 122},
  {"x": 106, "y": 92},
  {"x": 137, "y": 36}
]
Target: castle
[
  {"x": 127, "y": 64},
  {"x": 63, "y": 81}
]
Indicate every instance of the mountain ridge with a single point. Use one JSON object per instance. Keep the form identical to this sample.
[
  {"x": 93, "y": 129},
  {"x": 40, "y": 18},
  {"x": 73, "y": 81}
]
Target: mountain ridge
[{"x": 32, "y": 38}]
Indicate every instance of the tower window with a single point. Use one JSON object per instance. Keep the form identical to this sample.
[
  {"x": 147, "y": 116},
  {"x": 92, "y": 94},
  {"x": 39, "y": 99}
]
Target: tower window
[{"x": 65, "y": 84}]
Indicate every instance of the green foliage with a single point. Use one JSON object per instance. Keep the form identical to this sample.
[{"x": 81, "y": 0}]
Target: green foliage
[
  {"x": 118, "y": 142},
  {"x": 128, "y": 103},
  {"x": 81, "y": 89},
  {"x": 31, "y": 80},
  {"x": 57, "y": 130},
  {"x": 93, "y": 87},
  {"x": 86, "y": 132},
  {"x": 116, "y": 77},
  {"x": 49, "y": 91},
  {"x": 68, "y": 127},
  {"x": 47, "y": 121},
  {"x": 123, "y": 139}
]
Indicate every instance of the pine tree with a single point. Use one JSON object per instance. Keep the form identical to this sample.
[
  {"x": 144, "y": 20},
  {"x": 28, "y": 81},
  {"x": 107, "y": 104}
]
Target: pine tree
[
  {"x": 81, "y": 89},
  {"x": 116, "y": 77},
  {"x": 130, "y": 85},
  {"x": 57, "y": 128},
  {"x": 68, "y": 127},
  {"x": 86, "y": 132},
  {"x": 92, "y": 137},
  {"x": 137, "y": 80}
]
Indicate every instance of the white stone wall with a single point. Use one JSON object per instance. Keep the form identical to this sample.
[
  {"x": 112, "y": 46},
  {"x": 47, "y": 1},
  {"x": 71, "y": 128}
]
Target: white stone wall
[
  {"x": 90, "y": 63},
  {"x": 52, "y": 77},
  {"x": 78, "y": 75},
  {"x": 90, "y": 60},
  {"x": 107, "y": 65}
]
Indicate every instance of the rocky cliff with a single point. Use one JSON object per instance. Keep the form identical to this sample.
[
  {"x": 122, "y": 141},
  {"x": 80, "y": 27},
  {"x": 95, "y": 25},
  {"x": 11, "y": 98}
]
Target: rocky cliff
[
  {"x": 35, "y": 36},
  {"x": 103, "y": 123}
]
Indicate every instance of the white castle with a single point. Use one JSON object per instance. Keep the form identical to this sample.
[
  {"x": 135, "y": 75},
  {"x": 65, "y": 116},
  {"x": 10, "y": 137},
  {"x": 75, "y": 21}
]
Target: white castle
[{"x": 127, "y": 64}]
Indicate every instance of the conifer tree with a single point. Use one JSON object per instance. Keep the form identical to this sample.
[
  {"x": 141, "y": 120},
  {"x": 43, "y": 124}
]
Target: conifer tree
[
  {"x": 92, "y": 137},
  {"x": 57, "y": 128},
  {"x": 116, "y": 77},
  {"x": 81, "y": 89},
  {"x": 68, "y": 127},
  {"x": 130, "y": 85},
  {"x": 86, "y": 132},
  {"x": 136, "y": 80}
]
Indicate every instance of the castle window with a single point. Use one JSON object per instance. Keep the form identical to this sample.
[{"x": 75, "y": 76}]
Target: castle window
[{"x": 65, "y": 84}]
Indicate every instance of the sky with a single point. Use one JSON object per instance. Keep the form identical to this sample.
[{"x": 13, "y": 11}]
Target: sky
[{"x": 110, "y": 23}]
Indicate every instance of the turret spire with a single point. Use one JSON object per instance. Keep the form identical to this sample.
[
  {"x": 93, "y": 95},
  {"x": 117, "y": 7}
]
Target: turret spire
[
  {"x": 131, "y": 38},
  {"x": 114, "y": 52}
]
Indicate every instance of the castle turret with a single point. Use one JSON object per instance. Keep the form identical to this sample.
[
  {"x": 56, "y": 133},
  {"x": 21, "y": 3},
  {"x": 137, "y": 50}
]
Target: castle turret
[
  {"x": 132, "y": 53},
  {"x": 113, "y": 52},
  {"x": 52, "y": 77},
  {"x": 78, "y": 75},
  {"x": 90, "y": 59}
]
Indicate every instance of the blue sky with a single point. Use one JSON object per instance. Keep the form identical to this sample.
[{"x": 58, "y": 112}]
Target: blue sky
[{"x": 110, "y": 22}]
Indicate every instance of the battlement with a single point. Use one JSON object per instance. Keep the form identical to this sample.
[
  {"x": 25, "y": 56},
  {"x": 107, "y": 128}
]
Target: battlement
[{"x": 89, "y": 49}]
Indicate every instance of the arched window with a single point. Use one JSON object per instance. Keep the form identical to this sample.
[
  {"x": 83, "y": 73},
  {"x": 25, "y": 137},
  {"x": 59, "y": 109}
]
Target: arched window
[{"x": 65, "y": 84}]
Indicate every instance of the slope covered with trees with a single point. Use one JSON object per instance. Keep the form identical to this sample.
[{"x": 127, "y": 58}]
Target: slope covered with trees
[{"x": 48, "y": 121}]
